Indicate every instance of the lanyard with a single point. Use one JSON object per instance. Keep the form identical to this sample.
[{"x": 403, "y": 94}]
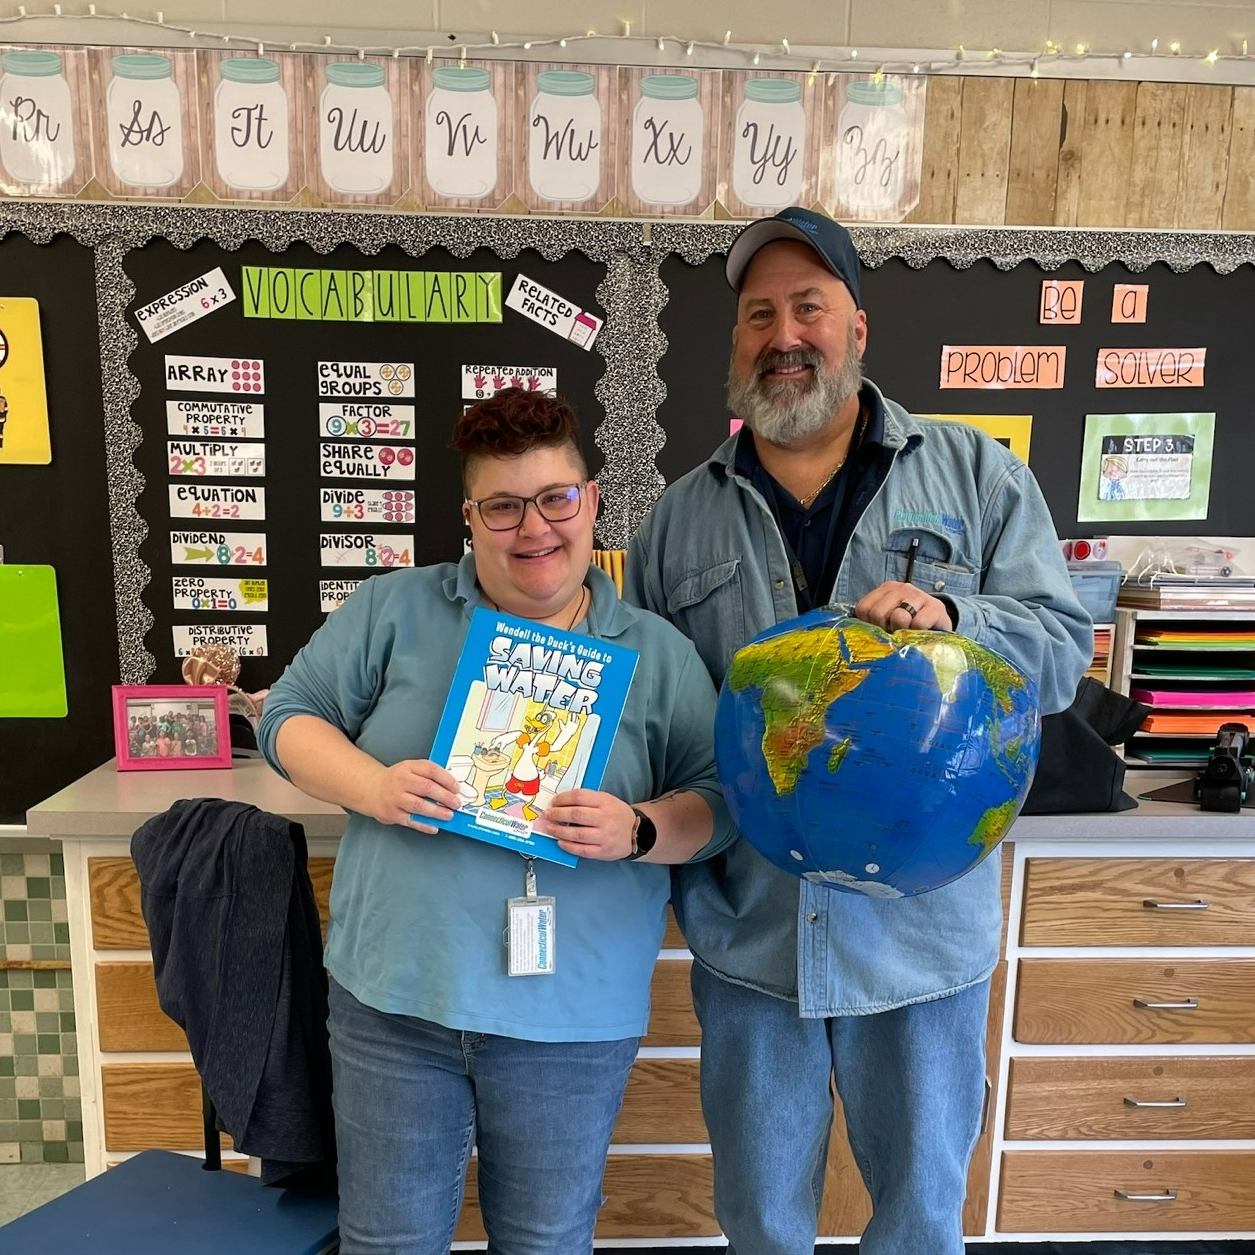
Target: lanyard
[{"x": 838, "y": 489}]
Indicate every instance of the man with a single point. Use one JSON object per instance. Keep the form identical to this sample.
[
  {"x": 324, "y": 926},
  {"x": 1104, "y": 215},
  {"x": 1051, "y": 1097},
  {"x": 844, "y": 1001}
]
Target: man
[{"x": 832, "y": 493}]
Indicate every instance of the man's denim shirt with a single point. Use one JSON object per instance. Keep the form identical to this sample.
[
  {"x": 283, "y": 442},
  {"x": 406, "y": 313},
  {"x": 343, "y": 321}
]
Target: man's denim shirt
[{"x": 709, "y": 557}]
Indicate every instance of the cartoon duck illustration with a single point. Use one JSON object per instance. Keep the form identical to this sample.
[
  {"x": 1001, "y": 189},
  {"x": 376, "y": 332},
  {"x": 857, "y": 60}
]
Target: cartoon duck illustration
[{"x": 543, "y": 735}]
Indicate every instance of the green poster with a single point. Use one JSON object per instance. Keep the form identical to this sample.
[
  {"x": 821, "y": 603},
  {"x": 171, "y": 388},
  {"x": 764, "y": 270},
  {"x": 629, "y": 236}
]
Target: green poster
[
  {"x": 1146, "y": 467},
  {"x": 32, "y": 666}
]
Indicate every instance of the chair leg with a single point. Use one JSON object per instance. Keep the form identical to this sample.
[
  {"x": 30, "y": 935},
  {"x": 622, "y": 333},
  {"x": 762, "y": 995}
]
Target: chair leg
[{"x": 213, "y": 1147}]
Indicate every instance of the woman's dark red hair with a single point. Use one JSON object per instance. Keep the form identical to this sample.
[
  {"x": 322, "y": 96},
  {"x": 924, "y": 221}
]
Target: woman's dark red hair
[{"x": 513, "y": 422}]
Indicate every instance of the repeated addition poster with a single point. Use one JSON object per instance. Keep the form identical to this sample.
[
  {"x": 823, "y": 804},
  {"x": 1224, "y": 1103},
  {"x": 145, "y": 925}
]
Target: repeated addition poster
[{"x": 1146, "y": 466}]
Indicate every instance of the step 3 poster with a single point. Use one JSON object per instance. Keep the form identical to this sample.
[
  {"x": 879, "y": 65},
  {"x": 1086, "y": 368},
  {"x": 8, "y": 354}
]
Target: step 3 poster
[{"x": 1146, "y": 466}]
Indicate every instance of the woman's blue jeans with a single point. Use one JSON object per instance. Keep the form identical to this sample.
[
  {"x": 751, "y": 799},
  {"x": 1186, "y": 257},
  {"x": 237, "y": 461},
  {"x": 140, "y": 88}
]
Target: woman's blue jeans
[
  {"x": 412, "y": 1098},
  {"x": 911, "y": 1081}
]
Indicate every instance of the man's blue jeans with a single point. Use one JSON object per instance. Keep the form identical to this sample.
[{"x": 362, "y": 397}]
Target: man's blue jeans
[
  {"x": 912, "y": 1082},
  {"x": 412, "y": 1097}
]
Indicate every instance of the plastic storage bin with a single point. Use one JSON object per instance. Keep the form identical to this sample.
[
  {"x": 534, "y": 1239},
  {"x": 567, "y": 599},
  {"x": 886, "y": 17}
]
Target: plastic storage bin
[{"x": 1096, "y": 585}]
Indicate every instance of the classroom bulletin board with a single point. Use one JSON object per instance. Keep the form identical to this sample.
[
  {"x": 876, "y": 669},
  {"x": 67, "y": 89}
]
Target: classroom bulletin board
[{"x": 249, "y": 410}]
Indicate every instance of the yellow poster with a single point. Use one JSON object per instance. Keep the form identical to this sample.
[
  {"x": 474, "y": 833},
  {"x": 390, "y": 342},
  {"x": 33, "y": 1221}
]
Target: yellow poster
[
  {"x": 23, "y": 399},
  {"x": 1012, "y": 430}
]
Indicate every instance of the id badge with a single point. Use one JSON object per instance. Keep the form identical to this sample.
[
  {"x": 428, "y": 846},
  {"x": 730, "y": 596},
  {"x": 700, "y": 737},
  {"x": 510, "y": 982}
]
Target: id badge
[{"x": 530, "y": 935}]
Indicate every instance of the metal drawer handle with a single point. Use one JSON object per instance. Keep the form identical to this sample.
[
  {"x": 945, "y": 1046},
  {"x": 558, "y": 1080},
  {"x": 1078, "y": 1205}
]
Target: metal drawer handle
[
  {"x": 1187, "y": 1004},
  {"x": 1200, "y": 904},
  {"x": 1168, "y": 1196},
  {"x": 1147, "y": 1102}
]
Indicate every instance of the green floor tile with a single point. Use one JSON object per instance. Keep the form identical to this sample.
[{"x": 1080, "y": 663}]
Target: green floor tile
[
  {"x": 12, "y": 865},
  {"x": 56, "y": 864},
  {"x": 56, "y": 1152},
  {"x": 28, "y": 1109},
  {"x": 45, "y": 979},
  {"x": 15, "y": 911},
  {"x": 38, "y": 887},
  {"x": 48, "y": 1043},
  {"x": 22, "y": 999}
]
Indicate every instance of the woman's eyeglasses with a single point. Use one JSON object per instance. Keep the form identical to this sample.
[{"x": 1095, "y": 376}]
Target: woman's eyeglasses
[{"x": 503, "y": 513}]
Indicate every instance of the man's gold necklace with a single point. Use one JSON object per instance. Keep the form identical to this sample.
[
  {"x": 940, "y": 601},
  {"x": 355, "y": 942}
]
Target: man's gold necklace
[
  {"x": 856, "y": 439},
  {"x": 827, "y": 479}
]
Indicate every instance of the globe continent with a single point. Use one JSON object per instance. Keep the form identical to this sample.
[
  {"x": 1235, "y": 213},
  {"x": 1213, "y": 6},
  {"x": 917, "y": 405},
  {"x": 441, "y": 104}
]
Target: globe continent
[{"x": 880, "y": 763}]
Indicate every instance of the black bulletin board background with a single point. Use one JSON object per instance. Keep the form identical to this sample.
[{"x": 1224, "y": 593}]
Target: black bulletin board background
[
  {"x": 911, "y": 313},
  {"x": 291, "y": 351},
  {"x": 58, "y": 515}
]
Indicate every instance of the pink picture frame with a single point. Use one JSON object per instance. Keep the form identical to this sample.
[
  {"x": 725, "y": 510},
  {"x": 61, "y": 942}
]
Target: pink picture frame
[{"x": 171, "y": 727}]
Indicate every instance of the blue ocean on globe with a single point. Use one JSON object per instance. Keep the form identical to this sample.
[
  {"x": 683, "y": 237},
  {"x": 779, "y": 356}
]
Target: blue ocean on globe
[{"x": 880, "y": 763}]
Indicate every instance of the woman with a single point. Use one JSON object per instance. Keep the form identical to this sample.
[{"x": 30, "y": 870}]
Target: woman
[{"x": 435, "y": 1047}]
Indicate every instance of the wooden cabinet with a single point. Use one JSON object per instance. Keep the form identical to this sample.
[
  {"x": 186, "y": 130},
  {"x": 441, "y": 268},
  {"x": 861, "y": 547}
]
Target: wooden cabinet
[
  {"x": 1109, "y": 1112},
  {"x": 651, "y": 1192},
  {"x": 1154, "y": 954}
]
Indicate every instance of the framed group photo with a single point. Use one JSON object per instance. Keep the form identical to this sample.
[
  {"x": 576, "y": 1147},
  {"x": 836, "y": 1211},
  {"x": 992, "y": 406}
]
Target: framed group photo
[{"x": 171, "y": 727}]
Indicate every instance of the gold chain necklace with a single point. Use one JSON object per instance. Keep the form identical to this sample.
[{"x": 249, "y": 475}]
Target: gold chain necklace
[
  {"x": 827, "y": 479},
  {"x": 856, "y": 439}
]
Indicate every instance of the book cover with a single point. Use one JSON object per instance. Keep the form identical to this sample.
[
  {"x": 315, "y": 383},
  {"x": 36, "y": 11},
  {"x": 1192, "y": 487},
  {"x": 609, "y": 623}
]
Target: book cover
[{"x": 532, "y": 711}]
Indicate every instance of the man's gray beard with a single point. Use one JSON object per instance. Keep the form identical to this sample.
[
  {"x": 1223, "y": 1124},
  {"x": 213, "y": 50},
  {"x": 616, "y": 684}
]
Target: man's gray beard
[{"x": 784, "y": 412}]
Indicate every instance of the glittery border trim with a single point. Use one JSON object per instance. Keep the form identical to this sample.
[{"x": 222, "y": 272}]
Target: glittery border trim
[{"x": 1006, "y": 247}]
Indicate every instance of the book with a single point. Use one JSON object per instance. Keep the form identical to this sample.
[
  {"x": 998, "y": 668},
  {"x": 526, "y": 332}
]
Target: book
[
  {"x": 1194, "y": 697},
  {"x": 1158, "y": 598},
  {"x": 532, "y": 711}
]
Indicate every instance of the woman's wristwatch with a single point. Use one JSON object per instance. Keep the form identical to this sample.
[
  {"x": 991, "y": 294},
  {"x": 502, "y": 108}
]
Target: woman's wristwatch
[{"x": 644, "y": 835}]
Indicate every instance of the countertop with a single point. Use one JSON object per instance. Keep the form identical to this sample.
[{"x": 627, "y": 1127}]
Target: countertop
[{"x": 111, "y": 803}]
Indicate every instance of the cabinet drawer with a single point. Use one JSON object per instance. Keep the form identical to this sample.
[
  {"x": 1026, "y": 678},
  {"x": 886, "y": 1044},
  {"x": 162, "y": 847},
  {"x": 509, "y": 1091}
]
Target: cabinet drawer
[
  {"x": 1136, "y": 1099},
  {"x": 130, "y": 1017},
  {"x": 1067, "y": 1001},
  {"x": 647, "y": 1196},
  {"x": 118, "y": 922},
  {"x": 1075, "y": 1191},
  {"x": 1138, "y": 902},
  {"x": 153, "y": 1106}
]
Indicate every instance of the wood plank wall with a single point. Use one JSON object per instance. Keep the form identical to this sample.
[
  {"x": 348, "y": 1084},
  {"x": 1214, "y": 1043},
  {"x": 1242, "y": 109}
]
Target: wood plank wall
[{"x": 1088, "y": 153}]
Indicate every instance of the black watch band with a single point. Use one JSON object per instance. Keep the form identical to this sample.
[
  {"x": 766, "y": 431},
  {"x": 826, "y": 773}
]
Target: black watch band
[{"x": 644, "y": 836}]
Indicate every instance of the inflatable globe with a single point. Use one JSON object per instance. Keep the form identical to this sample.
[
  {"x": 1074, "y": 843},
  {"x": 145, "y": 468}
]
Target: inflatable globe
[{"x": 880, "y": 763}]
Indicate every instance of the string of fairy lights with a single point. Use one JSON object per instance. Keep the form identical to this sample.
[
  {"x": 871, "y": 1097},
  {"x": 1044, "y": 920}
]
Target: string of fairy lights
[{"x": 1053, "y": 58}]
